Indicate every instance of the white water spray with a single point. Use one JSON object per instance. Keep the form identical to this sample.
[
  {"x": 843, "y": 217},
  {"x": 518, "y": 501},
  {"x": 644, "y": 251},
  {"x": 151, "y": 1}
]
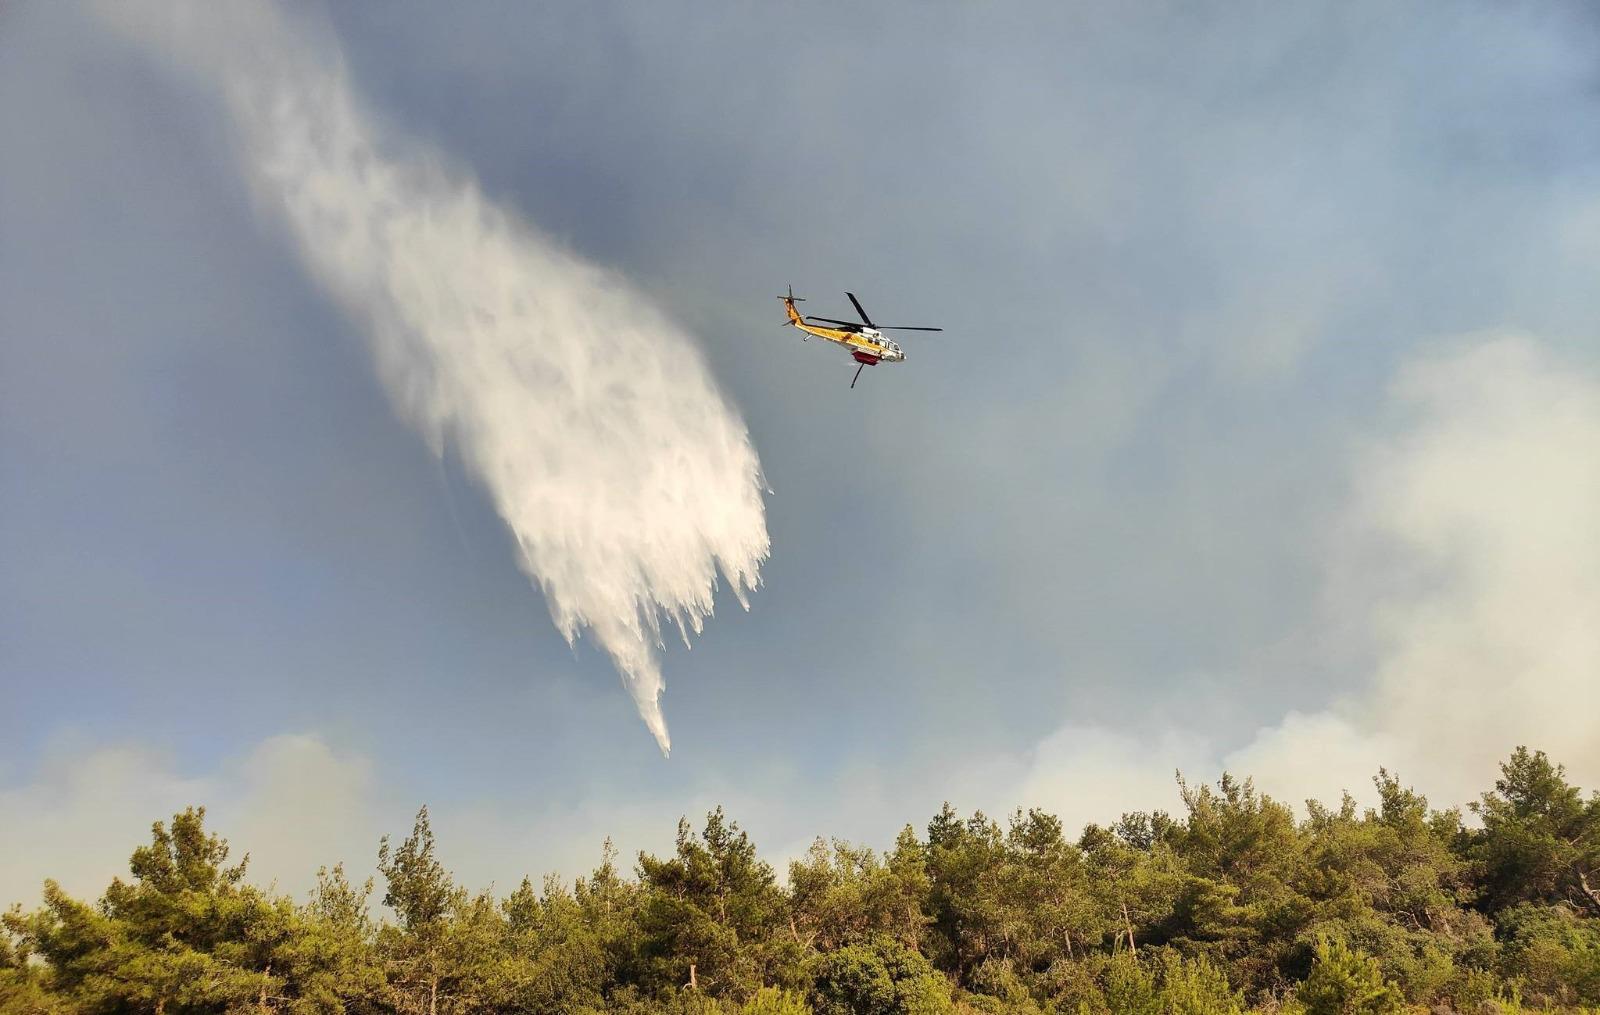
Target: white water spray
[{"x": 627, "y": 478}]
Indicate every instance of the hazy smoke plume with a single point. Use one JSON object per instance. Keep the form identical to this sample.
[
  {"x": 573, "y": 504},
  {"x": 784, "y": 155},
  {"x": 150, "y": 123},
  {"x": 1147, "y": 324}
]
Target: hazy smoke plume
[
  {"x": 1468, "y": 556},
  {"x": 627, "y": 478}
]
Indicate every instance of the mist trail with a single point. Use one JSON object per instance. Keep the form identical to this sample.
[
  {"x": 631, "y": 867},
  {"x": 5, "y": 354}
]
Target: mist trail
[{"x": 628, "y": 480}]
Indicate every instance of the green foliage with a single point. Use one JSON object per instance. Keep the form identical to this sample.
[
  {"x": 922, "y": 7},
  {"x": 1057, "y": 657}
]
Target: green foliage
[
  {"x": 840, "y": 894},
  {"x": 772, "y": 1001},
  {"x": 1540, "y": 840},
  {"x": 1552, "y": 954},
  {"x": 1232, "y": 903},
  {"x": 881, "y": 977},
  {"x": 420, "y": 891},
  {"x": 1160, "y": 981},
  {"x": 1345, "y": 981},
  {"x": 1130, "y": 988},
  {"x": 24, "y": 989},
  {"x": 1196, "y": 987},
  {"x": 711, "y": 914}
]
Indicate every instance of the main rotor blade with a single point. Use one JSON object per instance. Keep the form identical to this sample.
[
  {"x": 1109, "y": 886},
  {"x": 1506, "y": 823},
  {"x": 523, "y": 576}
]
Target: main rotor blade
[
  {"x": 903, "y": 327},
  {"x": 863, "y": 313},
  {"x": 847, "y": 324}
]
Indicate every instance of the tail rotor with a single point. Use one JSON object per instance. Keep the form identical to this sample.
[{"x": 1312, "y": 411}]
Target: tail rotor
[{"x": 788, "y": 302}]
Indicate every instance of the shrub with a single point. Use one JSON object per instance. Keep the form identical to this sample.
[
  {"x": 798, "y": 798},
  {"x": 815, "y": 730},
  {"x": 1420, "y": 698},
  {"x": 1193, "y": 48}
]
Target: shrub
[{"x": 1345, "y": 981}]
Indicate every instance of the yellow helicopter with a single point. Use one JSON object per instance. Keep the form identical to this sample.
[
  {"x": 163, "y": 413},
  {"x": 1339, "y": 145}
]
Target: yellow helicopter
[{"x": 865, "y": 341}]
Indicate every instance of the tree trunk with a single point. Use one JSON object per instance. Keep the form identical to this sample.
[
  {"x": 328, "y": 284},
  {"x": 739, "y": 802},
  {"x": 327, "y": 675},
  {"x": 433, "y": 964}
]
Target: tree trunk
[
  {"x": 794, "y": 932},
  {"x": 694, "y": 984},
  {"x": 266, "y": 978},
  {"x": 1126, "y": 922},
  {"x": 433, "y": 996},
  {"x": 1592, "y": 893}
]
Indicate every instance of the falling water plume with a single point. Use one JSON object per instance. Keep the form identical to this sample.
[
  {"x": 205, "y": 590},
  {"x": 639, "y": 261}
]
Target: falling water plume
[{"x": 591, "y": 419}]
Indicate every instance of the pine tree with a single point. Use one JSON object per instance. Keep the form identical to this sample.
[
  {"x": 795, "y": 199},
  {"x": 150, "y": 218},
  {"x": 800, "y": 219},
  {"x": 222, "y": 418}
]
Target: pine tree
[{"x": 1344, "y": 981}]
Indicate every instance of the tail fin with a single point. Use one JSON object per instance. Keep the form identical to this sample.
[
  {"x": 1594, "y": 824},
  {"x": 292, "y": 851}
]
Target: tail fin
[{"x": 788, "y": 304}]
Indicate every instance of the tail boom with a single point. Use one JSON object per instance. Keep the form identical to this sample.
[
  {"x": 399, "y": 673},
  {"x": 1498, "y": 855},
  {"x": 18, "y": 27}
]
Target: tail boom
[{"x": 789, "y": 301}]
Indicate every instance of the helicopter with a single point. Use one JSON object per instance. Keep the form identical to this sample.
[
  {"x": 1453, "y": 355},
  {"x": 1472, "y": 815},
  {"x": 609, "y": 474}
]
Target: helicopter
[{"x": 865, "y": 341}]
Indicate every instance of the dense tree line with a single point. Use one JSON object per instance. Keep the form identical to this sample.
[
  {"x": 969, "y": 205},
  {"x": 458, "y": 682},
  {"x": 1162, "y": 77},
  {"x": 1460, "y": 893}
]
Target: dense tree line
[{"x": 1235, "y": 905}]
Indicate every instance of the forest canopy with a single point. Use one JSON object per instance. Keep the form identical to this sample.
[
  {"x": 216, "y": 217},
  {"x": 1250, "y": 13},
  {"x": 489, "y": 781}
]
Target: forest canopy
[{"x": 1235, "y": 904}]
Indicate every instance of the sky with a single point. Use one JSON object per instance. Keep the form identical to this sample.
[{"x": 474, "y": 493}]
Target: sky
[{"x": 1260, "y": 437}]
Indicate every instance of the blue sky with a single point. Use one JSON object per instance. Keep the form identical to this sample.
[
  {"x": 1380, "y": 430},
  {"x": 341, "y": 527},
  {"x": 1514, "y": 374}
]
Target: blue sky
[{"x": 1268, "y": 364}]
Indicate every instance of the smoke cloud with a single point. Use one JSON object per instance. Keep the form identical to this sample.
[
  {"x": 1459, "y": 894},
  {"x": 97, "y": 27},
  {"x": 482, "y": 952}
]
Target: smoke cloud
[
  {"x": 1467, "y": 557},
  {"x": 591, "y": 419}
]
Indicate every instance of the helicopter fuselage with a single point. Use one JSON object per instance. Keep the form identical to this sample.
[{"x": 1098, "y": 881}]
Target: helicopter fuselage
[{"x": 867, "y": 345}]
